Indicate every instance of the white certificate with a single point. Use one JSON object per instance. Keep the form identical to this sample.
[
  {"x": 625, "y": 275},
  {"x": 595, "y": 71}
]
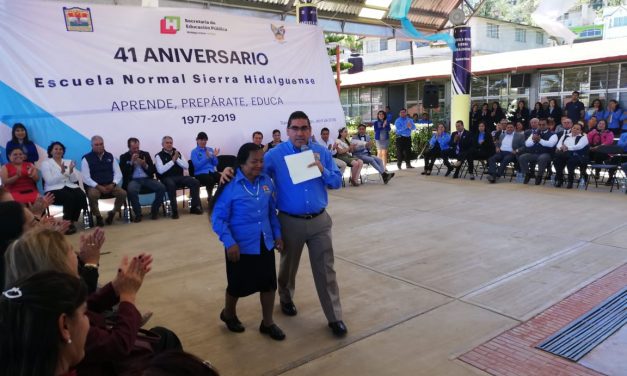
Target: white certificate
[{"x": 297, "y": 165}]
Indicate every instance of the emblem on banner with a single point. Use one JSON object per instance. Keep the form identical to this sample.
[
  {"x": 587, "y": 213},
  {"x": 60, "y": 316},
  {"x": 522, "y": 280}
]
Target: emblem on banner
[
  {"x": 279, "y": 32},
  {"x": 170, "y": 25},
  {"x": 78, "y": 19}
]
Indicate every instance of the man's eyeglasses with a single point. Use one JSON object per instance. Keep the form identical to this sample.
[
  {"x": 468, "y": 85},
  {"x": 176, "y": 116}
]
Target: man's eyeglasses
[{"x": 304, "y": 128}]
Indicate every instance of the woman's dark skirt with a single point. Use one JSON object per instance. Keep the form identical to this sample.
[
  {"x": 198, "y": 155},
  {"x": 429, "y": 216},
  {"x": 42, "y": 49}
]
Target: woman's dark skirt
[{"x": 251, "y": 274}]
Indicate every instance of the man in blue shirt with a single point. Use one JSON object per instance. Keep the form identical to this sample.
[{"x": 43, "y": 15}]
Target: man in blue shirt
[
  {"x": 575, "y": 110},
  {"x": 304, "y": 219},
  {"x": 404, "y": 126}
]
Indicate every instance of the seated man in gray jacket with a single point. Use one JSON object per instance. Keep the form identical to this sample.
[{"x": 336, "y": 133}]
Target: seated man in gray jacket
[
  {"x": 508, "y": 146},
  {"x": 362, "y": 151}
]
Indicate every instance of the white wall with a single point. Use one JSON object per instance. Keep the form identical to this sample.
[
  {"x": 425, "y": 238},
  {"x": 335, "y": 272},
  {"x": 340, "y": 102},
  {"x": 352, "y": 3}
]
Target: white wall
[
  {"x": 482, "y": 44},
  {"x": 608, "y": 20}
]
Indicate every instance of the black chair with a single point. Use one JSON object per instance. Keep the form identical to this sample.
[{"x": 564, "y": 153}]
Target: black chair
[{"x": 225, "y": 161}]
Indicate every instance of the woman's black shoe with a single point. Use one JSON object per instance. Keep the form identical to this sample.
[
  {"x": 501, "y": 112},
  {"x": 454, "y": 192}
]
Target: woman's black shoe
[
  {"x": 233, "y": 324},
  {"x": 273, "y": 331}
]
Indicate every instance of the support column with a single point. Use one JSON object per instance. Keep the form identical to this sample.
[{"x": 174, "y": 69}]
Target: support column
[{"x": 461, "y": 77}]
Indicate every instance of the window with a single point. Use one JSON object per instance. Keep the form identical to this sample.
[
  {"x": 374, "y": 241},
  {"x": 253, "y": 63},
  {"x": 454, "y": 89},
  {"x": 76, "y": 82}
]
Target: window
[
  {"x": 493, "y": 31},
  {"x": 383, "y": 44},
  {"x": 623, "y": 76},
  {"x": 551, "y": 82},
  {"x": 591, "y": 33},
  {"x": 539, "y": 38},
  {"x": 497, "y": 85},
  {"x": 604, "y": 77},
  {"x": 521, "y": 35},
  {"x": 576, "y": 79},
  {"x": 372, "y": 46},
  {"x": 402, "y": 45},
  {"x": 411, "y": 93},
  {"x": 479, "y": 86},
  {"x": 619, "y": 21}
]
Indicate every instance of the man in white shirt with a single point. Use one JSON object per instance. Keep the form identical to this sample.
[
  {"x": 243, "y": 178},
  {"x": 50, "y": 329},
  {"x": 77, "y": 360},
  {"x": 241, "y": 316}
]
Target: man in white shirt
[
  {"x": 170, "y": 167},
  {"x": 509, "y": 145}
]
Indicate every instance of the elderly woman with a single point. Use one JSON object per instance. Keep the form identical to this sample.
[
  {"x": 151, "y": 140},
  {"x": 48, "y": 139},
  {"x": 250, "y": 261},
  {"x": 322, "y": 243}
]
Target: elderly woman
[
  {"x": 19, "y": 139},
  {"x": 571, "y": 152},
  {"x": 244, "y": 218},
  {"x": 20, "y": 177},
  {"x": 344, "y": 153},
  {"x": 61, "y": 179},
  {"x": 44, "y": 323}
]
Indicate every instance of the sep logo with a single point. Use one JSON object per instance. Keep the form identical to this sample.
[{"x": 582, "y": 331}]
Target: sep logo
[{"x": 170, "y": 24}]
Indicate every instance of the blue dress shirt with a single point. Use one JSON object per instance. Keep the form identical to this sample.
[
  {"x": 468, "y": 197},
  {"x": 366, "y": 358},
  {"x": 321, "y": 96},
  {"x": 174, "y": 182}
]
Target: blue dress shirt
[
  {"x": 202, "y": 163},
  {"x": 401, "y": 127},
  {"x": 622, "y": 142},
  {"x": 443, "y": 140},
  {"x": 245, "y": 212},
  {"x": 308, "y": 197}
]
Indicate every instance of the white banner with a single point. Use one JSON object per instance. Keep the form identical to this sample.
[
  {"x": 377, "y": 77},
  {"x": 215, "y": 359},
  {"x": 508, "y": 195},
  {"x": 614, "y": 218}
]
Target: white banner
[{"x": 71, "y": 71}]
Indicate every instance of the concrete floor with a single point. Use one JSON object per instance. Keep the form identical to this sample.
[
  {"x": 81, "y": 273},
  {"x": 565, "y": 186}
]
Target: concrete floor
[{"x": 428, "y": 268}]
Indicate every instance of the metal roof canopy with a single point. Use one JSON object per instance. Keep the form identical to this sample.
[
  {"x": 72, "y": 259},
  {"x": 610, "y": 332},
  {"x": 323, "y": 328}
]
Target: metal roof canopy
[{"x": 429, "y": 16}]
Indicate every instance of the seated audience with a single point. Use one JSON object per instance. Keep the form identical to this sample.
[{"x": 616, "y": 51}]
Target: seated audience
[
  {"x": 44, "y": 325},
  {"x": 438, "y": 148},
  {"x": 598, "y": 137},
  {"x": 205, "y": 160},
  {"x": 138, "y": 172},
  {"x": 170, "y": 168},
  {"x": 362, "y": 151},
  {"x": 595, "y": 110},
  {"x": 332, "y": 146},
  {"x": 591, "y": 124},
  {"x": 20, "y": 177},
  {"x": 344, "y": 149},
  {"x": 613, "y": 116},
  {"x": 539, "y": 149},
  {"x": 258, "y": 139},
  {"x": 60, "y": 178},
  {"x": 19, "y": 139},
  {"x": 509, "y": 145},
  {"x": 519, "y": 127},
  {"x": 102, "y": 177},
  {"x": 276, "y": 139},
  {"x": 533, "y": 126},
  {"x": 538, "y": 111},
  {"x": 244, "y": 217},
  {"x": 571, "y": 152},
  {"x": 622, "y": 142},
  {"x": 483, "y": 146},
  {"x": 500, "y": 128},
  {"x": 461, "y": 146},
  {"x": 112, "y": 346}
]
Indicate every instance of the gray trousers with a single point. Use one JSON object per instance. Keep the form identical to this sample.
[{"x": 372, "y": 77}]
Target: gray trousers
[
  {"x": 316, "y": 233},
  {"x": 542, "y": 160}
]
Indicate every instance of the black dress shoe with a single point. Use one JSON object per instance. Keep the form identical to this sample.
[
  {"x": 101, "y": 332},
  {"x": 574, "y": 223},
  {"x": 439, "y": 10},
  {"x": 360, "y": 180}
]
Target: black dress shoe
[
  {"x": 338, "y": 328},
  {"x": 558, "y": 183},
  {"x": 154, "y": 215},
  {"x": 448, "y": 171},
  {"x": 398, "y": 165},
  {"x": 538, "y": 180},
  {"x": 196, "y": 210},
  {"x": 289, "y": 309},
  {"x": 175, "y": 215},
  {"x": 273, "y": 331},
  {"x": 110, "y": 217},
  {"x": 99, "y": 222},
  {"x": 137, "y": 219},
  {"x": 569, "y": 185},
  {"x": 527, "y": 178},
  {"x": 410, "y": 166},
  {"x": 233, "y": 324}
]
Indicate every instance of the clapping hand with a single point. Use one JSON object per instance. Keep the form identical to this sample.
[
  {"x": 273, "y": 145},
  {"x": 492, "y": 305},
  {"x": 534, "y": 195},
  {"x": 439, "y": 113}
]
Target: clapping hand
[
  {"x": 90, "y": 245},
  {"x": 226, "y": 175},
  {"x": 41, "y": 203},
  {"x": 131, "y": 276},
  {"x": 72, "y": 165},
  {"x": 51, "y": 223}
]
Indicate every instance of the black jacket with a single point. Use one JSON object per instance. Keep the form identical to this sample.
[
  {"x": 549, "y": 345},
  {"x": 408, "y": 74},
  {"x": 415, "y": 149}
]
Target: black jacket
[
  {"x": 466, "y": 142},
  {"x": 127, "y": 167}
]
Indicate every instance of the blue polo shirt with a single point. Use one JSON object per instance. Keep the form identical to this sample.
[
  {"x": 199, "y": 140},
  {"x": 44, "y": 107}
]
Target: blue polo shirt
[
  {"x": 573, "y": 110},
  {"x": 202, "y": 163},
  {"x": 308, "y": 197},
  {"x": 401, "y": 126},
  {"x": 246, "y": 212}
]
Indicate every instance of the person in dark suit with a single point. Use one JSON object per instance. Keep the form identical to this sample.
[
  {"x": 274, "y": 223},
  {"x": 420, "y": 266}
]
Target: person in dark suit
[
  {"x": 462, "y": 143},
  {"x": 138, "y": 172},
  {"x": 554, "y": 111},
  {"x": 538, "y": 112},
  {"x": 475, "y": 118},
  {"x": 497, "y": 113},
  {"x": 485, "y": 117},
  {"x": 483, "y": 146},
  {"x": 522, "y": 114}
]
